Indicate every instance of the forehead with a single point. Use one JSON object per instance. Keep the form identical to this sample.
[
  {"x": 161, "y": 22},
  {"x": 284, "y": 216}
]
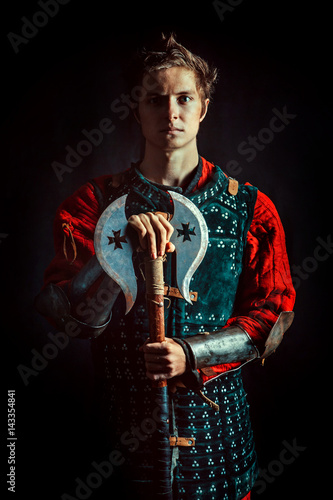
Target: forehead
[{"x": 171, "y": 81}]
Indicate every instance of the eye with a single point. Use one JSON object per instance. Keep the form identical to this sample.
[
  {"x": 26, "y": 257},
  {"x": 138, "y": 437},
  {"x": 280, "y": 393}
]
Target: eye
[
  {"x": 154, "y": 100},
  {"x": 184, "y": 99}
]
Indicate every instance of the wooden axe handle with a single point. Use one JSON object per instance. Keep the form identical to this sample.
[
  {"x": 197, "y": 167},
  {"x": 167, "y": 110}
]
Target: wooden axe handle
[
  {"x": 155, "y": 302},
  {"x": 161, "y": 450}
]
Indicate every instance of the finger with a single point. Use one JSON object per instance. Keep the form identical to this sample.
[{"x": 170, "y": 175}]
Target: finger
[
  {"x": 161, "y": 238},
  {"x": 158, "y": 372},
  {"x": 144, "y": 344},
  {"x": 155, "y": 368},
  {"x": 161, "y": 232},
  {"x": 168, "y": 230},
  {"x": 136, "y": 223},
  {"x": 141, "y": 223},
  {"x": 156, "y": 235},
  {"x": 157, "y": 348},
  {"x": 154, "y": 232},
  {"x": 156, "y": 376},
  {"x": 152, "y": 358}
]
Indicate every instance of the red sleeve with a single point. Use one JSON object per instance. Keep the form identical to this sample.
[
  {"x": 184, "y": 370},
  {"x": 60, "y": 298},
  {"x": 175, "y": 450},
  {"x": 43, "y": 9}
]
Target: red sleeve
[
  {"x": 73, "y": 232},
  {"x": 265, "y": 288}
]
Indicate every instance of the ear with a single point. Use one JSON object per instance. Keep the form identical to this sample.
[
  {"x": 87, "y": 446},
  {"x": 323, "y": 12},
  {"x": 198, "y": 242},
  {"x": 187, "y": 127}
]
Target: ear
[{"x": 204, "y": 109}]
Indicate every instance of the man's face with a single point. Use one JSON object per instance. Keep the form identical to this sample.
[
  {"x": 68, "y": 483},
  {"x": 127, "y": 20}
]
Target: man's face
[{"x": 172, "y": 110}]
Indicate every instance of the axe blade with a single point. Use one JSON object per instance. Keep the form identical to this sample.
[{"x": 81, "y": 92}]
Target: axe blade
[
  {"x": 114, "y": 249},
  {"x": 190, "y": 239},
  {"x": 114, "y": 245}
]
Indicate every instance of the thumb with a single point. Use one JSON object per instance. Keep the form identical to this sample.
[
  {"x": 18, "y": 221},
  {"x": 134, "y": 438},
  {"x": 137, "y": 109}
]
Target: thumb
[
  {"x": 169, "y": 247},
  {"x": 145, "y": 343}
]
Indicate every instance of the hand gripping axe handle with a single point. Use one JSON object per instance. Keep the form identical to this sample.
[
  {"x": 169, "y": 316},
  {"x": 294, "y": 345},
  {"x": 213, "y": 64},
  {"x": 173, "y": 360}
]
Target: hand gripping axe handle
[{"x": 114, "y": 247}]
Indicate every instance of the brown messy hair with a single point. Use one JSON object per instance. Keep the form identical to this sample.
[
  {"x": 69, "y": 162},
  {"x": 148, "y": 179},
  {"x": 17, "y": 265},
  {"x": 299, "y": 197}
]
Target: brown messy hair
[{"x": 168, "y": 53}]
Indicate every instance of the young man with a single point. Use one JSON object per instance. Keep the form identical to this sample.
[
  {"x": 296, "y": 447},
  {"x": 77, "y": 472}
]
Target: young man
[{"x": 243, "y": 285}]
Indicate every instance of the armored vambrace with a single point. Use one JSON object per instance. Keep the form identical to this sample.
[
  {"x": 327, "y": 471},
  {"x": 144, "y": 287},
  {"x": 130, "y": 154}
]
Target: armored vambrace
[
  {"x": 226, "y": 346},
  {"x": 230, "y": 345},
  {"x": 95, "y": 309},
  {"x": 209, "y": 349}
]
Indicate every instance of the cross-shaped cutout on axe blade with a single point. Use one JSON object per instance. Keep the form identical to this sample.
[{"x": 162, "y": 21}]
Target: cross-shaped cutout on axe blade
[
  {"x": 186, "y": 232},
  {"x": 117, "y": 239}
]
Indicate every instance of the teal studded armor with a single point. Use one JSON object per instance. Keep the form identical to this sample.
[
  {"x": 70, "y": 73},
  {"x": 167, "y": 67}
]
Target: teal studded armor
[{"x": 221, "y": 465}]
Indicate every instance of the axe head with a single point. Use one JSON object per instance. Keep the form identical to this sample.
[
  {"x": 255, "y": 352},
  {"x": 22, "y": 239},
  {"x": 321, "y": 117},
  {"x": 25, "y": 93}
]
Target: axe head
[
  {"x": 114, "y": 249},
  {"x": 115, "y": 243},
  {"x": 190, "y": 238}
]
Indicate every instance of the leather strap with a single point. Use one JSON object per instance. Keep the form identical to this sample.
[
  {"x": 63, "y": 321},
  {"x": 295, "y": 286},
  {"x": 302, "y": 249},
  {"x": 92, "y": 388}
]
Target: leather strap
[
  {"x": 166, "y": 215},
  {"x": 182, "y": 441},
  {"x": 232, "y": 186},
  {"x": 171, "y": 291}
]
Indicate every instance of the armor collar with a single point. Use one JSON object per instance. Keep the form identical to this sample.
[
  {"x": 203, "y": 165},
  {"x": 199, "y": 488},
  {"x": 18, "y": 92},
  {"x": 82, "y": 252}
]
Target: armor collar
[{"x": 185, "y": 190}]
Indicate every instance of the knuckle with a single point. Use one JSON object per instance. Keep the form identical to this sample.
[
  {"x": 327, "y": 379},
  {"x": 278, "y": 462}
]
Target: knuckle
[
  {"x": 168, "y": 349},
  {"x": 143, "y": 217},
  {"x": 132, "y": 218},
  {"x": 171, "y": 229}
]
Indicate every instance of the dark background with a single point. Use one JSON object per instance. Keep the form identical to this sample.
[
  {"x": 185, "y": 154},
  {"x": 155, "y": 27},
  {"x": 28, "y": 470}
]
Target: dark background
[{"x": 270, "y": 55}]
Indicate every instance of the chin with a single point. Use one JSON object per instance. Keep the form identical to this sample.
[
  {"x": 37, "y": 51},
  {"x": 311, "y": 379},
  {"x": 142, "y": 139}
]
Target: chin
[{"x": 168, "y": 144}]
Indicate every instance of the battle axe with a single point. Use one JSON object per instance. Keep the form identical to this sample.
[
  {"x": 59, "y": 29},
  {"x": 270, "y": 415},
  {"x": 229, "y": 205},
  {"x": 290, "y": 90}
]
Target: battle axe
[{"x": 114, "y": 246}]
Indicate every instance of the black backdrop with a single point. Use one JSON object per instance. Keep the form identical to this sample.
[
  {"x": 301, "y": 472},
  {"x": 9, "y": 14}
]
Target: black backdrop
[{"x": 62, "y": 78}]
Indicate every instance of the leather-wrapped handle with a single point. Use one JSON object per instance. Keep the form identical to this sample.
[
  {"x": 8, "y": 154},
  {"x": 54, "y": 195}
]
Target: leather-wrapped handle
[
  {"x": 162, "y": 450},
  {"x": 155, "y": 302}
]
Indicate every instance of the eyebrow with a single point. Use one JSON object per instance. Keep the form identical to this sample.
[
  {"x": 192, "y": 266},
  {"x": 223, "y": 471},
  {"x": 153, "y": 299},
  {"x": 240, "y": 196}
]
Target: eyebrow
[{"x": 151, "y": 93}]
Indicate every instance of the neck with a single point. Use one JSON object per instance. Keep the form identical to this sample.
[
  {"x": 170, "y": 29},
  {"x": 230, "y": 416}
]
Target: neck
[{"x": 171, "y": 168}]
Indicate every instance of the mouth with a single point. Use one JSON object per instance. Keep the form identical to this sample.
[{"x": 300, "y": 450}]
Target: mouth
[{"x": 171, "y": 130}]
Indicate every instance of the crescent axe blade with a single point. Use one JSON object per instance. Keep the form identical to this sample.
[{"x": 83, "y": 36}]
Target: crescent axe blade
[
  {"x": 114, "y": 245},
  {"x": 190, "y": 238},
  {"x": 114, "y": 249}
]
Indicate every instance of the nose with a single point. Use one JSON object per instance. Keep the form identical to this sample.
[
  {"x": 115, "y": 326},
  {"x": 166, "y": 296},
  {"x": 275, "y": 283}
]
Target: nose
[{"x": 172, "y": 109}]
